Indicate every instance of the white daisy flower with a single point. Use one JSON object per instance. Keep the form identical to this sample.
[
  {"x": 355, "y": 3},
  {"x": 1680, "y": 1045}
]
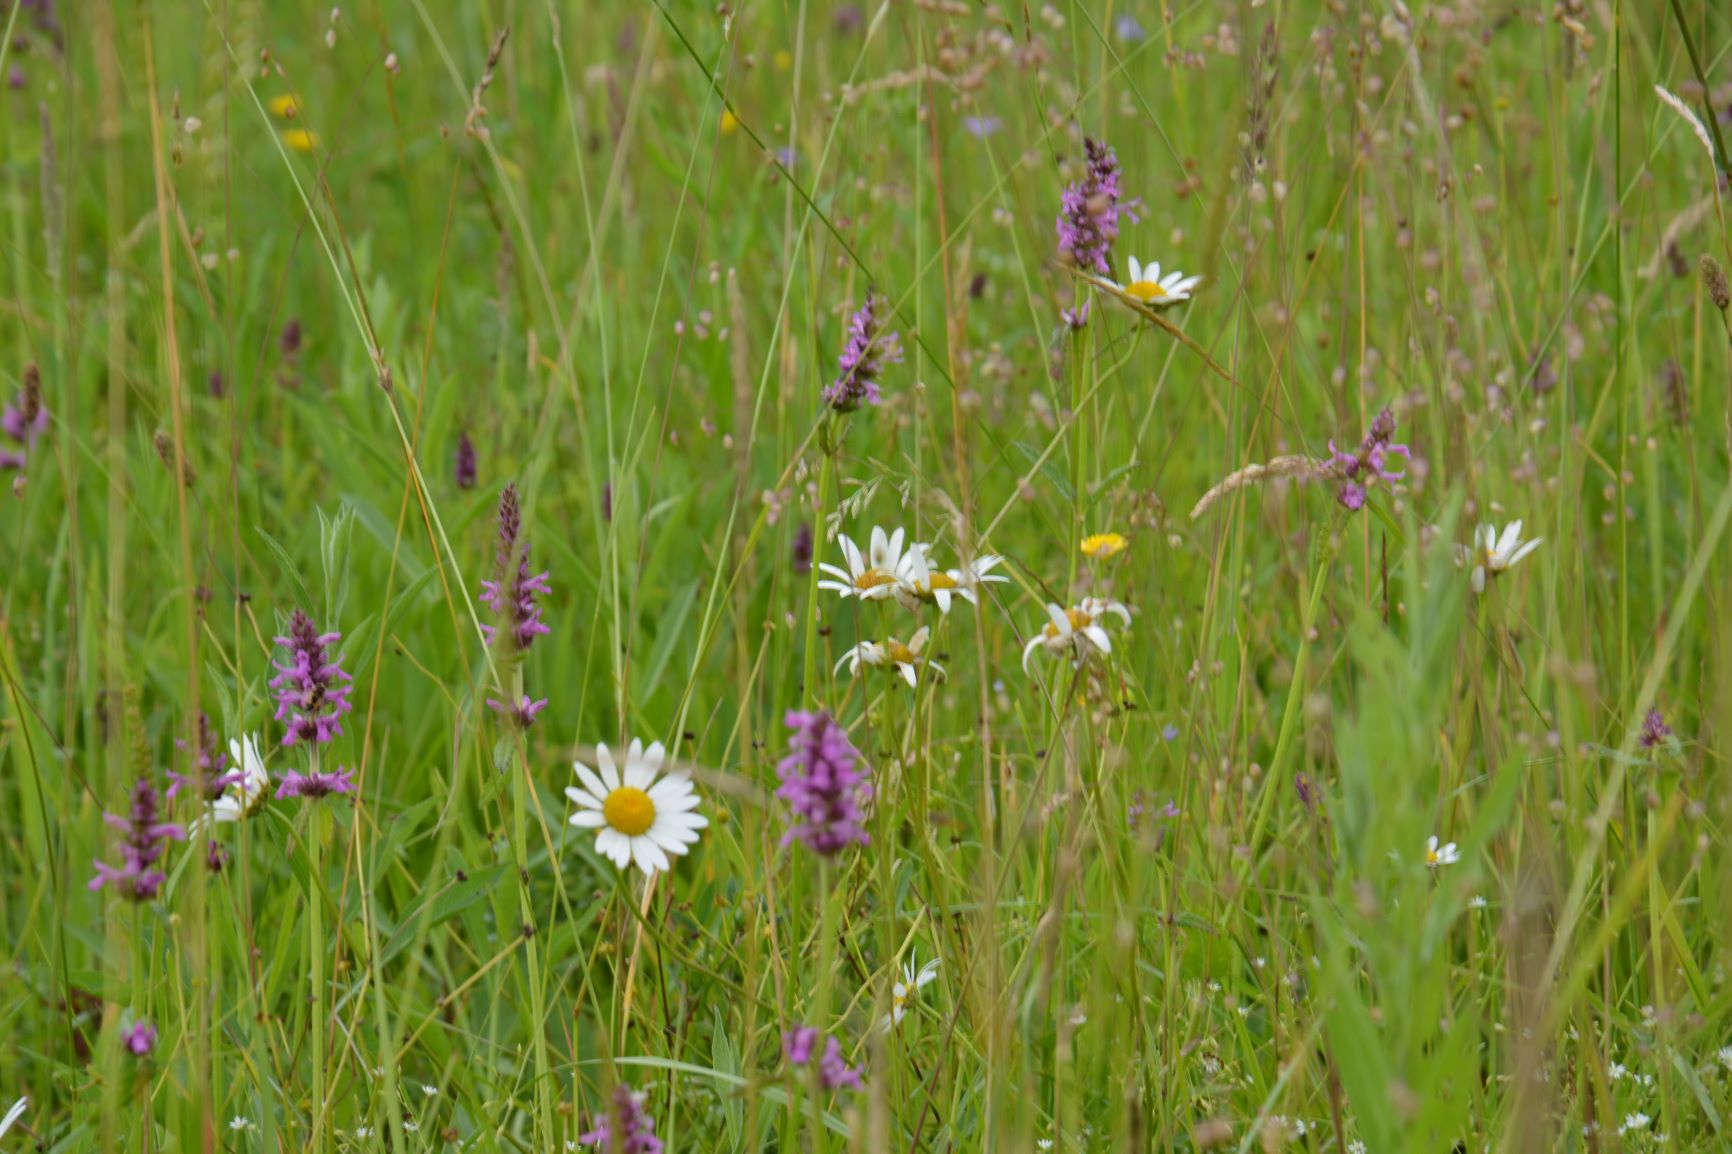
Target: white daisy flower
[
  {"x": 921, "y": 581},
  {"x": 873, "y": 575},
  {"x": 1147, "y": 287},
  {"x": 640, "y": 819},
  {"x": 904, "y": 992},
  {"x": 892, "y": 654},
  {"x": 241, "y": 799},
  {"x": 1076, "y": 632},
  {"x": 12, "y": 1115},
  {"x": 1440, "y": 855},
  {"x": 1494, "y": 553}
]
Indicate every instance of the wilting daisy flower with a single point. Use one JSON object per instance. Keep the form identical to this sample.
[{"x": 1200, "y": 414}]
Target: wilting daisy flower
[
  {"x": 892, "y": 654},
  {"x": 146, "y": 840},
  {"x": 870, "y": 576},
  {"x": 904, "y": 992},
  {"x": 12, "y": 1115},
  {"x": 242, "y": 797},
  {"x": 1495, "y": 553},
  {"x": 1103, "y": 545},
  {"x": 1076, "y": 632},
  {"x": 1440, "y": 855},
  {"x": 1147, "y": 287},
  {"x": 626, "y": 1127},
  {"x": 639, "y": 818}
]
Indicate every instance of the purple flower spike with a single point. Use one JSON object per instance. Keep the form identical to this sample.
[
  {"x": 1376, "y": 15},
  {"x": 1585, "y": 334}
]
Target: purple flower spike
[
  {"x": 522, "y": 714},
  {"x": 140, "y": 1039},
  {"x": 798, "y": 1045},
  {"x": 23, "y": 421},
  {"x": 464, "y": 465},
  {"x": 833, "y": 1072},
  {"x": 821, "y": 781},
  {"x": 1655, "y": 731},
  {"x": 312, "y": 690},
  {"x": 316, "y": 786},
  {"x": 512, "y": 592},
  {"x": 1088, "y": 217},
  {"x": 146, "y": 839},
  {"x": 1360, "y": 470},
  {"x": 626, "y": 1128},
  {"x": 869, "y": 349},
  {"x": 210, "y": 780}
]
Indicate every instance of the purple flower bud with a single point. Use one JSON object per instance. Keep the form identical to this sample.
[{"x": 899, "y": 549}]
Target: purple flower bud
[
  {"x": 316, "y": 786},
  {"x": 512, "y": 592},
  {"x": 464, "y": 466},
  {"x": 1359, "y": 470},
  {"x": 802, "y": 549},
  {"x": 869, "y": 349},
  {"x": 290, "y": 341},
  {"x": 140, "y": 1039},
  {"x": 823, "y": 785},
  {"x": 312, "y": 689},
  {"x": 1655, "y": 731},
  {"x": 1076, "y": 320},
  {"x": 626, "y": 1128},
  {"x": 145, "y": 839},
  {"x": 522, "y": 714}
]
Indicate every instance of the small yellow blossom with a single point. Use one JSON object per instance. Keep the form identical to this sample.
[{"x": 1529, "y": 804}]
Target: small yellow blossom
[
  {"x": 784, "y": 60},
  {"x": 729, "y": 121},
  {"x": 300, "y": 139},
  {"x": 285, "y": 107},
  {"x": 1103, "y": 545}
]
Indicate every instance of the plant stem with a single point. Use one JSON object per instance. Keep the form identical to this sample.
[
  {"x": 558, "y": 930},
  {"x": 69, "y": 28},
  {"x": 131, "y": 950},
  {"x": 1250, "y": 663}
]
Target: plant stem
[{"x": 316, "y": 954}]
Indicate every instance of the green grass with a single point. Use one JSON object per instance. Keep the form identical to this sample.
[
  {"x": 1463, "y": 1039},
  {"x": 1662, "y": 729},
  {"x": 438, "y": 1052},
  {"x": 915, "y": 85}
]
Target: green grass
[{"x": 624, "y": 265}]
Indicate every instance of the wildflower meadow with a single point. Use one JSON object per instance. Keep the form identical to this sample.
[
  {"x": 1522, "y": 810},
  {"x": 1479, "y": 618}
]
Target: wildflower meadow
[{"x": 940, "y": 576}]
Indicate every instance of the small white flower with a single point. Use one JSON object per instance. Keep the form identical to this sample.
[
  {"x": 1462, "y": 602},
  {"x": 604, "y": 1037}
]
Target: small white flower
[
  {"x": 1476, "y": 902},
  {"x": 870, "y": 576},
  {"x": 919, "y": 581},
  {"x": 1076, "y": 631},
  {"x": 411, "y": 1127},
  {"x": 241, "y": 799},
  {"x": 904, "y": 992},
  {"x": 1724, "y": 1055},
  {"x": 1440, "y": 855},
  {"x": 363, "y": 1131},
  {"x": 640, "y": 819},
  {"x": 1494, "y": 553},
  {"x": 1148, "y": 288},
  {"x": 12, "y": 1115},
  {"x": 430, "y": 1091},
  {"x": 1636, "y": 1121},
  {"x": 1356, "y": 1147},
  {"x": 903, "y": 659},
  {"x": 1616, "y": 1071}
]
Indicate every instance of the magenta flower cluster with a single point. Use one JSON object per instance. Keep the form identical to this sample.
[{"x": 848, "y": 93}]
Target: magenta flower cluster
[
  {"x": 1088, "y": 215},
  {"x": 139, "y": 1039},
  {"x": 1370, "y": 464},
  {"x": 801, "y": 1043},
  {"x": 1655, "y": 731},
  {"x": 869, "y": 349},
  {"x": 23, "y": 421},
  {"x": 144, "y": 840},
  {"x": 626, "y": 1128},
  {"x": 312, "y": 689},
  {"x": 316, "y": 785},
  {"x": 823, "y": 784},
  {"x": 512, "y": 592}
]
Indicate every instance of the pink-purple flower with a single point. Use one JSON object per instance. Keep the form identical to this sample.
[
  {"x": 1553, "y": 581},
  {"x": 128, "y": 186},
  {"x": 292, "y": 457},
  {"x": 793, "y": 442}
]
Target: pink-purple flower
[
  {"x": 626, "y": 1127},
  {"x": 800, "y": 1044},
  {"x": 144, "y": 840},
  {"x": 312, "y": 689},
  {"x": 512, "y": 592},
  {"x": 1370, "y": 464},
  {"x": 316, "y": 786},
  {"x": 522, "y": 714},
  {"x": 1655, "y": 731},
  {"x": 869, "y": 349},
  {"x": 1088, "y": 216},
  {"x": 823, "y": 784},
  {"x": 23, "y": 421},
  {"x": 139, "y": 1039}
]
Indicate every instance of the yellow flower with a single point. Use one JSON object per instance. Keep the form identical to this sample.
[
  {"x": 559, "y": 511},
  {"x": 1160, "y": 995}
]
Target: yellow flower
[
  {"x": 285, "y": 107},
  {"x": 300, "y": 139},
  {"x": 1103, "y": 545},
  {"x": 784, "y": 60},
  {"x": 729, "y": 121}
]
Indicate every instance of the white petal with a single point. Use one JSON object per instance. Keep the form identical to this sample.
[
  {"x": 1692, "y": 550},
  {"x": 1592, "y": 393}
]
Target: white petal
[
  {"x": 654, "y": 756},
  {"x": 1136, "y": 270},
  {"x": 637, "y": 772},
  {"x": 588, "y": 819},
  {"x": 614, "y": 846},
  {"x": 1028, "y": 651},
  {"x": 907, "y": 672},
  {"x": 584, "y": 798},
  {"x": 1479, "y": 578},
  {"x": 647, "y": 855},
  {"x": 1098, "y": 638},
  {"x": 591, "y": 781},
  {"x": 1526, "y": 548},
  {"x": 609, "y": 772},
  {"x": 1060, "y": 620}
]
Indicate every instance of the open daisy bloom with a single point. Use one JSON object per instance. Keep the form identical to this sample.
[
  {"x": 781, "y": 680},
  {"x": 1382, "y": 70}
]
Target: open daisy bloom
[
  {"x": 1076, "y": 632},
  {"x": 922, "y": 582},
  {"x": 1494, "y": 553},
  {"x": 243, "y": 798},
  {"x": 873, "y": 575},
  {"x": 891, "y": 655},
  {"x": 1148, "y": 288},
  {"x": 1440, "y": 855},
  {"x": 639, "y": 818},
  {"x": 904, "y": 992}
]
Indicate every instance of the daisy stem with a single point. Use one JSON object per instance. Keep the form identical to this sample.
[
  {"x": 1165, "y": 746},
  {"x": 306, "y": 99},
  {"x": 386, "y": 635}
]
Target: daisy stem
[
  {"x": 809, "y": 683},
  {"x": 1078, "y": 435},
  {"x": 316, "y": 954}
]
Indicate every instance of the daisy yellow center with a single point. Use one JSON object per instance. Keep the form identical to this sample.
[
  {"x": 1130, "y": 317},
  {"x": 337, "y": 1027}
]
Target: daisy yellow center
[
  {"x": 1078, "y": 621},
  {"x": 1145, "y": 290},
  {"x": 1430, "y": 857},
  {"x": 941, "y": 581},
  {"x": 629, "y": 810},
  {"x": 899, "y": 652},
  {"x": 872, "y": 579}
]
